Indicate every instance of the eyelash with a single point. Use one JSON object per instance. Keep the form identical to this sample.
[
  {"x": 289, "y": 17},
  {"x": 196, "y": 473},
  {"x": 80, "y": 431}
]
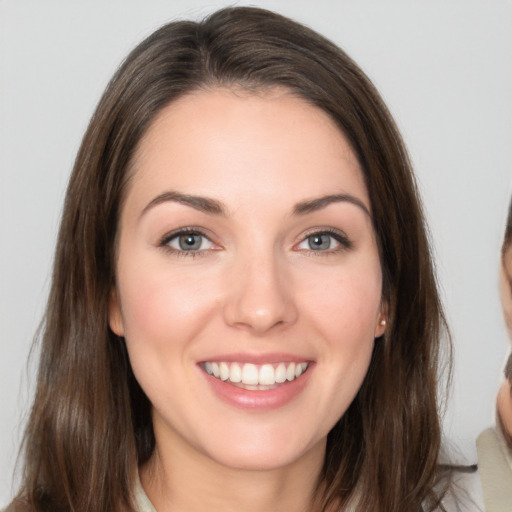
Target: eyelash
[{"x": 338, "y": 236}]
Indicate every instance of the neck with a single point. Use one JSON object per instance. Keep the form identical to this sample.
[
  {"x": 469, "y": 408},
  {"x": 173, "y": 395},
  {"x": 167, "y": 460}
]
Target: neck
[{"x": 178, "y": 480}]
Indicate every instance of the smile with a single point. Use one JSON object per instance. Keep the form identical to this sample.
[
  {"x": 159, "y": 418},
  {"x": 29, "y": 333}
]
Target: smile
[{"x": 253, "y": 376}]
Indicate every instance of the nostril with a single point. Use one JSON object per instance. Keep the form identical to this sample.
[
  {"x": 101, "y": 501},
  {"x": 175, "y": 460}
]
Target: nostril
[{"x": 259, "y": 319}]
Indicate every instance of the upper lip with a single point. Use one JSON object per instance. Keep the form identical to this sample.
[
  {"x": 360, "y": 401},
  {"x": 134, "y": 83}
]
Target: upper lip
[{"x": 257, "y": 358}]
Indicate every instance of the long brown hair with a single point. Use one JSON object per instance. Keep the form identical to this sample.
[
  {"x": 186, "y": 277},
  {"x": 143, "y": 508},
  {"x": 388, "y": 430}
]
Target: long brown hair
[{"x": 90, "y": 423}]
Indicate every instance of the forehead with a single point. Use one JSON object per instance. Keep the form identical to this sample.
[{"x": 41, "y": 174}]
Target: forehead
[{"x": 224, "y": 142}]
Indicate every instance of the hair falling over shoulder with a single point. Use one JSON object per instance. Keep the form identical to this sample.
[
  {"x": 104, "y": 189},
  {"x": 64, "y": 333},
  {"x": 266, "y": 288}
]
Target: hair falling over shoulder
[{"x": 90, "y": 424}]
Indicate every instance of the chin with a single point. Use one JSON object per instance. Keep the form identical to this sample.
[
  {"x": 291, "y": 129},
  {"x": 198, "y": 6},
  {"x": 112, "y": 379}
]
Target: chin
[
  {"x": 259, "y": 460},
  {"x": 265, "y": 452}
]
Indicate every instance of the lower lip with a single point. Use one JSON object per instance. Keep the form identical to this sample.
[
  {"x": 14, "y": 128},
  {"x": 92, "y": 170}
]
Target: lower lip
[{"x": 260, "y": 400}]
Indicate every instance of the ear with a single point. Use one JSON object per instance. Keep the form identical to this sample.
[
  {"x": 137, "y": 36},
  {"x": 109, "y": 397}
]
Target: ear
[
  {"x": 381, "y": 320},
  {"x": 115, "y": 318}
]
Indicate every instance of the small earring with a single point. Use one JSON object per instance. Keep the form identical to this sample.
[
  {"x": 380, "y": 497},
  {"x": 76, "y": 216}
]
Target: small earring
[{"x": 383, "y": 322}]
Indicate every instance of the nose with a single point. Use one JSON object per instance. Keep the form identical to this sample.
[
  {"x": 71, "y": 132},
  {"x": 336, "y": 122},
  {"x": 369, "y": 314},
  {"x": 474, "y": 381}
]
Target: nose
[{"x": 260, "y": 296}]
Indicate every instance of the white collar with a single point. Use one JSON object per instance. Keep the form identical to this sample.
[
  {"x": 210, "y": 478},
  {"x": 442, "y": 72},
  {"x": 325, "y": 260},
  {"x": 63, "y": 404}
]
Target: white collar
[{"x": 142, "y": 503}]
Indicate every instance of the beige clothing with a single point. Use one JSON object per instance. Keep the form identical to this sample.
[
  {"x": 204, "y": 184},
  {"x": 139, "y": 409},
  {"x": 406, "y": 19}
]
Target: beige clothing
[
  {"x": 495, "y": 465},
  {"x": 142, "y": 503}
]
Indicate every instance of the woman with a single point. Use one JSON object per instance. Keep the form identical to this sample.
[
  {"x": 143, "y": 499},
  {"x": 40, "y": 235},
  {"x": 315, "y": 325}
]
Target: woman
[
  {"x": 243, "y": 310},
  {"x": 495, "y": 444}
]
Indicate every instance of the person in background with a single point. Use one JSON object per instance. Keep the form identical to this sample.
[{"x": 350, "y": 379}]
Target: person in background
[{"x": 494, "y": 445}]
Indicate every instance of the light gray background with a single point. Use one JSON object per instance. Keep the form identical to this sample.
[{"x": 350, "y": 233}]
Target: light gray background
[{"x": 443, "y": 67}]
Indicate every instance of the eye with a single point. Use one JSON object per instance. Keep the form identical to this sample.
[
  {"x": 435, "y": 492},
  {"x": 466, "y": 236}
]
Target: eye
[
  {"x": 324, "y": 241},
  {"x": 187, "y": 241}
]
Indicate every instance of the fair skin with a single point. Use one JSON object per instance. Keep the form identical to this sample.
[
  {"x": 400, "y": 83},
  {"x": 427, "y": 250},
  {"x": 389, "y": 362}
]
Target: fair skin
[
  {"x": 506, "y": 288},
  {"x": 277, "y": 277},
  {"x": 504, "y": 400}
]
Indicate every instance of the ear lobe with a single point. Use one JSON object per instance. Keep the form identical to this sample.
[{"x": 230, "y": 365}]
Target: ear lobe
[
  {"x": 381, "y": 323},
  {"x": 115, "y": 318}
]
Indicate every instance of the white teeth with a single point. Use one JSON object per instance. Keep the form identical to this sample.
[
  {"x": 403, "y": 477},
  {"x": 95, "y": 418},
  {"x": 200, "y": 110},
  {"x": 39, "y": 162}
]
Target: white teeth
[
  {"x": 250, "y": 374},
  {"x": 300, "y": 369},
  {"x": 266, "y": 376},
  {"x": 236, "y": 373},
  {"x": 224, "y": 371},
  {"x": 280, "y": 373},
  {"x": 290, "y": 371}
]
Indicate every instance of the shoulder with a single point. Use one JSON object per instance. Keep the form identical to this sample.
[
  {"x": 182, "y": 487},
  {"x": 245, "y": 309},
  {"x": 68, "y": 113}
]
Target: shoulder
[
  {"x": 492, "y": 446},
  {"x": 494, "y": 462}
]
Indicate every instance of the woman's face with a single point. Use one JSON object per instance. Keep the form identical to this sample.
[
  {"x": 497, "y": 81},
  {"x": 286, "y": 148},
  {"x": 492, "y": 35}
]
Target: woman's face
[{"x": 249, "y": 281}]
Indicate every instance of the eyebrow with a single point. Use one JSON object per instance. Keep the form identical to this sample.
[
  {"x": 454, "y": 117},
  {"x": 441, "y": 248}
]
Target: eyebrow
[
  {"x": 319, "y": 203},
  {"x": 203, "y": 204},
  {"x": 215, "y": 207}
]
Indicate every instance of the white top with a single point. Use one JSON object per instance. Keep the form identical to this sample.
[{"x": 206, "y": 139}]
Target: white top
[{"x": 142, "y": 503}]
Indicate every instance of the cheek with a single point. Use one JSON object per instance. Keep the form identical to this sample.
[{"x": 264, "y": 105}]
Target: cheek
[
  {"x": 506, "y": 297},
  {"x": 160, "y": 305},
  {"x": 163, "y": 312},
  {"x": 504, "y": 404},
  {"x": 344, "y": 312},
  {"x": 343, "y": 315},
  {"x": 345, "y": 304}
]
